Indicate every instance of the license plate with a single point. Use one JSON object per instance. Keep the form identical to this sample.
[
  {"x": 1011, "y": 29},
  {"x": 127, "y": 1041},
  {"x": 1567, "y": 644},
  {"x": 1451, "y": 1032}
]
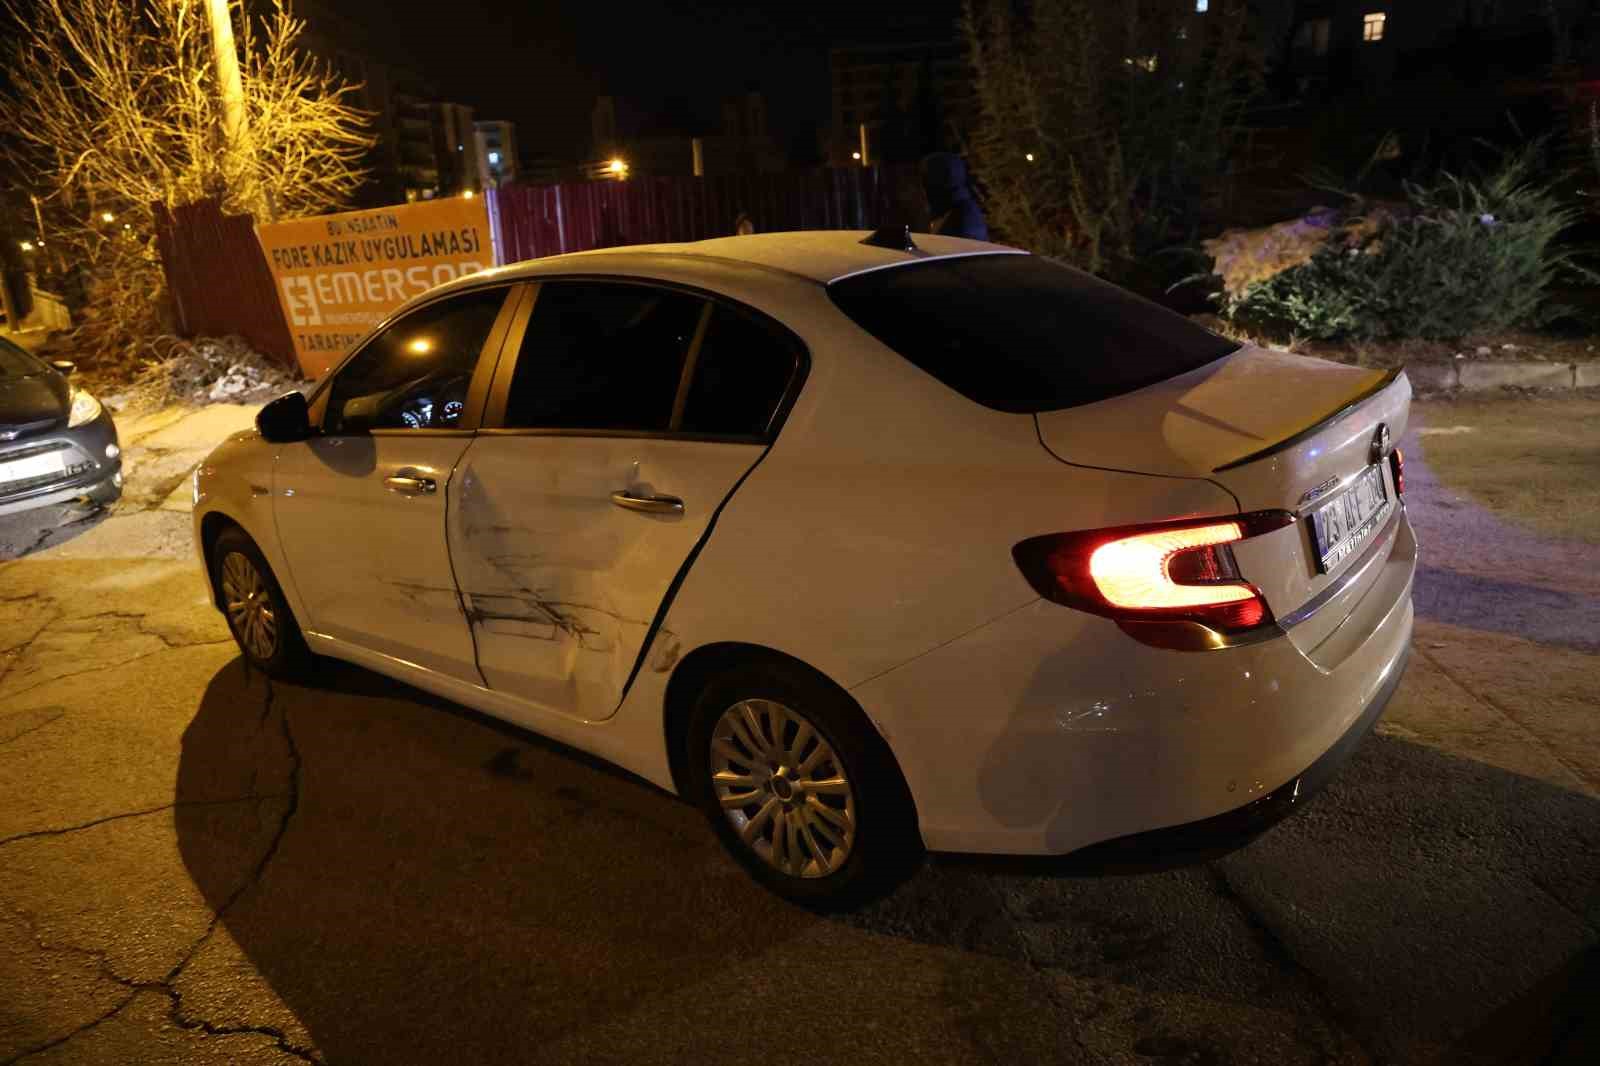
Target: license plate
[
  {"x": 33, "y": 466},
  {"x": 1341, "y": 525}
]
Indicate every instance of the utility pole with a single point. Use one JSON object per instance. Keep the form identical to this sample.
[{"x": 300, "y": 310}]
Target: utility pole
[{"x": 235, "y": 120}]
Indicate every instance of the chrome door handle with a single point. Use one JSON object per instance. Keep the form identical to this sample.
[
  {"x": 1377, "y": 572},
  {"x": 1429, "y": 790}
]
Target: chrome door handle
[
  {"x": 411, "y": 483},
  {"x": 648, "y": 504}
]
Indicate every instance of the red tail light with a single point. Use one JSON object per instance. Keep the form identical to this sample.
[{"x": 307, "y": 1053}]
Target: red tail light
[
  {"x": 1173, "y": 572},
  {"x": 1397, "y": 466}
]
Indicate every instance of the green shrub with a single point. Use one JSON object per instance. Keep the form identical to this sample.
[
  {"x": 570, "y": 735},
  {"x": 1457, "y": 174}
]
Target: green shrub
[
  {"x": 1102, "y": 128},
  {"x": 1468, "y": 254}
]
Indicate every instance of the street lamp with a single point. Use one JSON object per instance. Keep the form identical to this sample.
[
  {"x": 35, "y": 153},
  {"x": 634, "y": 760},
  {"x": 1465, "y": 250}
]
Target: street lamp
[
  {"x": 619, "y": 168},
  {"x": 468, "y": 193},
  {"x": 1029, "y": 157},
  {"x": 27, "y": 246},
  {"x": 856, "y": 156},
  {"x": 107, "y": 216}
]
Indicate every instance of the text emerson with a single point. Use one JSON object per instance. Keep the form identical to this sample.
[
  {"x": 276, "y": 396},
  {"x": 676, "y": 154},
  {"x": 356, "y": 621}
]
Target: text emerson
[{"x": 305, "y": 296}]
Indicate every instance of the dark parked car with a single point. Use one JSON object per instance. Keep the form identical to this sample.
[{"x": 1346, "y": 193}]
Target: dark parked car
[{"x": 57, "y": 443}]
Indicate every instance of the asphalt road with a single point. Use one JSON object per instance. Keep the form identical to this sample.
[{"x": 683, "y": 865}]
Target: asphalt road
[{"x": 197, "y": 866}]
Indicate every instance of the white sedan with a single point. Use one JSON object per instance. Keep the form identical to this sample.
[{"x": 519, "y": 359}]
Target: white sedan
[{"x": 864, "y": 544}]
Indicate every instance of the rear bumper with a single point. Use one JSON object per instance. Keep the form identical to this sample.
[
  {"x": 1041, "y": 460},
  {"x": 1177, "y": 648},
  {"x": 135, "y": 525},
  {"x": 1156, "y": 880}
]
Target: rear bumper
[
  {"x": 1050, "y": 730},
  {"x": 1222, "y": 833}
]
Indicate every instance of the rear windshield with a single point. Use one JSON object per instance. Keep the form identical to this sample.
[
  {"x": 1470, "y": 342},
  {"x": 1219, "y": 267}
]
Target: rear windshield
[{"x": 1022, "y": 334}]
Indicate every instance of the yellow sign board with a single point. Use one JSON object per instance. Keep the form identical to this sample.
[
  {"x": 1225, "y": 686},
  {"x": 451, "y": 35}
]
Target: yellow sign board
[{"x": 339, "y": 275}]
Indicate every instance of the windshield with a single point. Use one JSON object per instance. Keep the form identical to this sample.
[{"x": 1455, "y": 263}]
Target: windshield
[
  {"x": 16, "y": 363},
  {"x": 1022, "y": 334}
]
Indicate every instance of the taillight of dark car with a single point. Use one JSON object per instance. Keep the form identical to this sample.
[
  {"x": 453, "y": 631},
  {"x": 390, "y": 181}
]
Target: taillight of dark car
[{"x": 1172, "y": 572}]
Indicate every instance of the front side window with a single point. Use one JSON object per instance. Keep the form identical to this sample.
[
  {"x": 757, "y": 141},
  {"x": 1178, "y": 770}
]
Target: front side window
[
  {"x": 415, "y": 374},
  {"x": 602, "y": 355},
  {"x": 1021, "y": 334}
]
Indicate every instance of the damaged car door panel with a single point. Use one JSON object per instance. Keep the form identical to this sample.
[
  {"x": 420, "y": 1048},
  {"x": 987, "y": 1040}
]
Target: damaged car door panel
[
  {"x": 360, "y": 506},
  {"x": 607, "y": 447}
]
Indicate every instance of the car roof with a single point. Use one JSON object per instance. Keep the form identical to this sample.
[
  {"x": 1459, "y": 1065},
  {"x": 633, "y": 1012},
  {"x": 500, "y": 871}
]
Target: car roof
[{"x": 823, "y": 256}]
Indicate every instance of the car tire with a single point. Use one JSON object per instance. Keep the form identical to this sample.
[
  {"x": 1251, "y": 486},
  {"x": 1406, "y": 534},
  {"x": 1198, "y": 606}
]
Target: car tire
[
  {"x": 105, "y": 494},
  {"x": 865, "y": 840},
  {"x": 256, "y": 611}
]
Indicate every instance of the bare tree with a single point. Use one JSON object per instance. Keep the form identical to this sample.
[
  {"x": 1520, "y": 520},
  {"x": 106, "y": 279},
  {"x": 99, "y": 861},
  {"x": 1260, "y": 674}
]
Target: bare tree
[{"x": 115, "y": 110}]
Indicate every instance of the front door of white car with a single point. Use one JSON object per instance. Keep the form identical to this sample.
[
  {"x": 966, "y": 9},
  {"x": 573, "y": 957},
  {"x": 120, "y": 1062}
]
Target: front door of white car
[
  {"x": 627, "y": 417},
  {"x": 360, "y": 507}
]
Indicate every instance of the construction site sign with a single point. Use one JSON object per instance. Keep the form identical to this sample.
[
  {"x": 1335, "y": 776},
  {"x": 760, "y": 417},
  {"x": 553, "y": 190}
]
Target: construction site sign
[{"x": 339, "y": 275}]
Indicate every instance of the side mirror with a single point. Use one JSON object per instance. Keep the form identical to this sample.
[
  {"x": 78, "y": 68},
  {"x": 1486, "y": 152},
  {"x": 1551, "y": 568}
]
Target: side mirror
[
  {"x": 63, "y": 366},
  {"x": 284, "y": 420}
]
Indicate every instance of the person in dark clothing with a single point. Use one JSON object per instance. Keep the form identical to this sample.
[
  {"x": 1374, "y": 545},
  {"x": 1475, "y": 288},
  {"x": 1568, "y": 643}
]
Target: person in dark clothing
[{"x": 951, "y": 204}]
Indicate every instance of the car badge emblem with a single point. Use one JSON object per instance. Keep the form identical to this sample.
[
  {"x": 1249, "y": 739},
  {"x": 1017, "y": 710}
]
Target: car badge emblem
[
  {"x": 1380, "y": 444},
  {"x": 1312, "y": 494}
]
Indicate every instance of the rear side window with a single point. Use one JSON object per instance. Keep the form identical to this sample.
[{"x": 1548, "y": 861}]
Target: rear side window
[
  {"x": 1021, "y": 334},
  {"x": 601, "y": 355},
  {"x": 741, "y": 372}
]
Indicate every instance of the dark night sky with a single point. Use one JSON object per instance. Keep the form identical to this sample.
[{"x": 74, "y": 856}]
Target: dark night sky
[{"x": 542, "y": 65}]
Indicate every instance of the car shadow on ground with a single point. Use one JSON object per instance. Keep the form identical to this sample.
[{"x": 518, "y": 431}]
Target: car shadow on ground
[
  {"x": 436, "y": 886},
  {"x": 1562, "y": 618},
  {"x": 27, "y": 532}
]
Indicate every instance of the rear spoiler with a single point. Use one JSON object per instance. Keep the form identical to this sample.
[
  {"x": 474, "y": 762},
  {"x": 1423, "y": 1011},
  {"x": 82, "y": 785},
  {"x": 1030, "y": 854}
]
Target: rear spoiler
[{"x": 1288, "y": 442}]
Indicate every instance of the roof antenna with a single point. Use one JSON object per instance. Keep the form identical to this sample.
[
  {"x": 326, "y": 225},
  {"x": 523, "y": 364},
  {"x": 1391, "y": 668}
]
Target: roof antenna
[{"x": 894, "y": 238}]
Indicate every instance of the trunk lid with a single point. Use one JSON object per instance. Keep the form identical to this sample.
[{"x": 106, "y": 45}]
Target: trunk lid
[
  {"x": 1266, "y": 425},
  {"x": 1278, "y": 431}
]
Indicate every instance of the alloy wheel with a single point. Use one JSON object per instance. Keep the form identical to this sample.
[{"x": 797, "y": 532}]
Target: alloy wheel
[
  {"x": 249, "y": 606},
  {"x": 783, "y": 788}
]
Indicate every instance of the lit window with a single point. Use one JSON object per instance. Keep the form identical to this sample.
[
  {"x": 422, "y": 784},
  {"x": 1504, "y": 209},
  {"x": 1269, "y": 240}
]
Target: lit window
[
  {"x": 1372, "y": 26},
  {"x": 1201, "y": 6},
  {"x": 1144, "y": 63},
  {"x": 494, "y": 159}
]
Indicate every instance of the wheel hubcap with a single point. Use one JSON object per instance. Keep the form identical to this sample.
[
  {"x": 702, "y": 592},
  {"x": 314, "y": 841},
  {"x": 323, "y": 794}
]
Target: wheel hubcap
[
  {"x": 783, "y": 788},
  {"x": 249, "y": 606}
]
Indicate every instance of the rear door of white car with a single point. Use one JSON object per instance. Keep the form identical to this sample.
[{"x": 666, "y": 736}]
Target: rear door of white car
[
  {"x": 622, "y": 417},
  {"x": 360, "y": 507}
]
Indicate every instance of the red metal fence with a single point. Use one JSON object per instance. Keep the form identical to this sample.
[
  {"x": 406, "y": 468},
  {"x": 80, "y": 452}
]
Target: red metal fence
[
  {"x": 219, "y": 279},
  {"x": 220, "y": 282},
  {"x": 540, "y": 220}
]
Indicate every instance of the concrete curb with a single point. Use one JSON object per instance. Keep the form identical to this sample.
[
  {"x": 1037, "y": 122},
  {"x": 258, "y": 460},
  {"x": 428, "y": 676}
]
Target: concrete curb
[{"x": 1463, "y": 375}]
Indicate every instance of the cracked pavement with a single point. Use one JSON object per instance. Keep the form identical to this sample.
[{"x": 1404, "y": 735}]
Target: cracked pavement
[{"x": 198, "y": 867}]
